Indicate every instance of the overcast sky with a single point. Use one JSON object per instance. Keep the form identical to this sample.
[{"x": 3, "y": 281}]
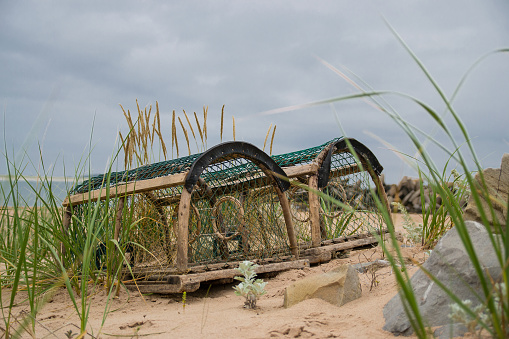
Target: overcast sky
[{"x": 66, "y": 66}]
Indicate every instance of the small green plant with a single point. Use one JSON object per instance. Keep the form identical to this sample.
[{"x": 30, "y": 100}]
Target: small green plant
[
  {"x": 184, "y": 298},
  {"x": 435, "y": 215},
  {"x": 249, "y": 287},
  {"x": 459, "y": 315},
  {"x": 414, "y": 230}
]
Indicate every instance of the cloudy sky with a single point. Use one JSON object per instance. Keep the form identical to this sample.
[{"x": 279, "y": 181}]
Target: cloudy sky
[{"x": 66, "y": 66}]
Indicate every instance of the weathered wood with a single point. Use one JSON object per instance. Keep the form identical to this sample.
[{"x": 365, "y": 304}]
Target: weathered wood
[
  {"x": 314, "y": 211},
  {"x": 230, "y": 273},
  {"x": 161, "y": 288},
  {"x": 297, "y": 171},
  {"x": 164, "y": 221},
  {"x": 380, "y": 190},
  {"x": 344, "y": 170},
  {"x": 285, "y": 205},
  {"x": 307, "y": 245},
  {"x": 125, "y": 189},
  {"x": 320, "y": 258},
  {"x": 118, "y": 220},
  {"x": 66, "y": 222},
  {"x": 339, "y": 247},
  {"x": 183, "y": 230},
  {"x": 191, "y": 282},
  {"x": 163, "y": 271}
]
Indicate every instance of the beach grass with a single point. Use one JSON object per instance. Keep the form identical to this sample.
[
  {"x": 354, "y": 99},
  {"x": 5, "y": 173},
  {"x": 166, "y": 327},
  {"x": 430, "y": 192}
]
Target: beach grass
[{"x": 495, "y": 323}]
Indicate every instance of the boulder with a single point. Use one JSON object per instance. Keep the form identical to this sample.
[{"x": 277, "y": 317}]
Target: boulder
[
  {"x": 338, "y": 286},
  {"x": 449, "y": 263},
  {"x": 497, "y": 184},
  {"x": 391, "y": 192}
]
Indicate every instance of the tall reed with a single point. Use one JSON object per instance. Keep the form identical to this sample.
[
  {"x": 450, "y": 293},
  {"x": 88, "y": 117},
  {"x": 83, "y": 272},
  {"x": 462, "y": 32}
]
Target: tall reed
[
  {"x": 39, "y": 255},
  {"x": 496, "y": 322}
]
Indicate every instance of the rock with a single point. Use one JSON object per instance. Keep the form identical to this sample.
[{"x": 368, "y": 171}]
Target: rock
[
  {"x": 497, "y": 183},
  {"x": 371, "y": 266},
  {"x": 451, "y": 265},
  {"x": 392, "y": 191},
  {"x": 405, "y": 186},
  {"x": 412, "y": 196},
  {"x": 338, "y": 286},
  {"x": 450, "y": 331}
]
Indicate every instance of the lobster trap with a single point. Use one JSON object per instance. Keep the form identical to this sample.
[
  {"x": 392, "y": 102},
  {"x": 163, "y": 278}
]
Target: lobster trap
[{"x": 197, "y": 217}]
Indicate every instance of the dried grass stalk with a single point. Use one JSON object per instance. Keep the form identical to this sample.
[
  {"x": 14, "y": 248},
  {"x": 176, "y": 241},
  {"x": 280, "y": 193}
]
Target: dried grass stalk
[
  {"x": 205, "y": 113},
  {"x": 221, "y": 131},
  {"x": 233, "y": 121},
  {"x": 266, "y": 137},
  {"x": 192, "y": 130},
  {"x": 185, "y": 134},
  {"x": 272, "y": 139},
  {"x": 199, "y": 128},
  {"x": 174, "y": 142},
  {"x": 163, "y": 145}
]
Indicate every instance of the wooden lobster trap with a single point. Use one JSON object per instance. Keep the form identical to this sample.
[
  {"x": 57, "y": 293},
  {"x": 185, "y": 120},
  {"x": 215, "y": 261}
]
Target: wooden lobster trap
[{"x": 197, "y": 217}]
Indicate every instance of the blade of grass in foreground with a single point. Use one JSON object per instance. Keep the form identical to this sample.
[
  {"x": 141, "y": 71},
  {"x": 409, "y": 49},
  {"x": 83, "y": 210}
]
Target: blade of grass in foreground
[{"x": 498, "y": 324}]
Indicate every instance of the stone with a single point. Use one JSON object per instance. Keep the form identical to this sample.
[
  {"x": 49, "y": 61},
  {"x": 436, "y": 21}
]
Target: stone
[
  {"x": 449, "y": 263},
  {"x": 371, "y": 266},
  {"x": 450, "y": 331},
  {"x": 497, "y": 183},
  {"x": 392, "y": 190},
  {"x": 405, "y": 186},
  {"x": 338, "y": 286}
]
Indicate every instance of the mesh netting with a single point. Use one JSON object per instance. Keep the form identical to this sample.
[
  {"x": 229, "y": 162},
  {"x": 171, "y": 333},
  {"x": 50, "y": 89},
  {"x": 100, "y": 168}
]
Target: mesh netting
[
  {"x": 234, "y": 216},
  {"x": 354, "y": 189},
  {"x": 183, "y": 164},
  {"x": 235, "y": 213}
]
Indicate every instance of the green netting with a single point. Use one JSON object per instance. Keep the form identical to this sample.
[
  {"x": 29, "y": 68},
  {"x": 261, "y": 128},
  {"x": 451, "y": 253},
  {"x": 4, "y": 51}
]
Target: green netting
[
  {"x": 151, "y": 171},
  {"x": 235, "y": 212},
  {"x": 183, "y": 164}
]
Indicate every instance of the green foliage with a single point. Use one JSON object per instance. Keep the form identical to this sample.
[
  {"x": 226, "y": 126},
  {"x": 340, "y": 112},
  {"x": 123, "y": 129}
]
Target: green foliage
[
  {"x": 249, "y": 287},
  {"x": 414, "y": 230},
  {"x": 39, "y": 256},
  {"x": 497, "y": 322},
  {"x": 472, "y": 323},
  {"x": 437, "y": 221}
]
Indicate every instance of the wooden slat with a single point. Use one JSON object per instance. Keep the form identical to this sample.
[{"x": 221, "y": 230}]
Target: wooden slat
[
  {"x": 183, "y": 230},
  {"x": 292, "y": 238},
  {"x": 314, "y": 212},
  {"x": 191, "y": 282},
  {"x": 118, "y": 220},
  {"x": 297, "y": 171},
  {"x": 340, "y": 246},
  {"x": 150, "y": 272},
  {"x": 127, "y": 189}
]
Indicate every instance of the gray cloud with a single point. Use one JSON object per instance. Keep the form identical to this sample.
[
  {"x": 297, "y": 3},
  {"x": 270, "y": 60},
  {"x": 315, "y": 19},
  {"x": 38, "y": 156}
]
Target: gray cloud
[{"x": 77, "y": 62}]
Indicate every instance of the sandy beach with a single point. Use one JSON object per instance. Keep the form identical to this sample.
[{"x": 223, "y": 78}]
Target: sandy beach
[{"x": 216, "y": 312}]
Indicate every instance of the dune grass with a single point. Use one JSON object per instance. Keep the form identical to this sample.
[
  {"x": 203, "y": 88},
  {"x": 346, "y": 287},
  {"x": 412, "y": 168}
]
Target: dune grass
[
  {"x": 37, "y": 256},
  {"x": 495, "y": 321}
]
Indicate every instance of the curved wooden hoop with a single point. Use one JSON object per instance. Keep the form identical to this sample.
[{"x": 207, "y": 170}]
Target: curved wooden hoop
[
  {"x": 198, "y": 223},
  {"x": 215, "y": 212}
]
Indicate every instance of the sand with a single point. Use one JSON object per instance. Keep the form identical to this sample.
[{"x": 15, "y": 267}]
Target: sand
[{"x": 218, "y": 313}]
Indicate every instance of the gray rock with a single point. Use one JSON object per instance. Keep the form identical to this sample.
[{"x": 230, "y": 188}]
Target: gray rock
[
  {"x": 497, "y": 183},
  {"x": 452, "y": 266},
  {"x": 338, "y": 286},
  {"x": 450, "y": 331},
  {"x": 392, "y": 191},
  {"x": 371, "y": 266}
]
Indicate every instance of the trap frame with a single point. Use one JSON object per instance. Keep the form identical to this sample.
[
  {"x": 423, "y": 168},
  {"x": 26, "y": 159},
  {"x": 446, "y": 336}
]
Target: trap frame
[{"x": 199, "y": 216}]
